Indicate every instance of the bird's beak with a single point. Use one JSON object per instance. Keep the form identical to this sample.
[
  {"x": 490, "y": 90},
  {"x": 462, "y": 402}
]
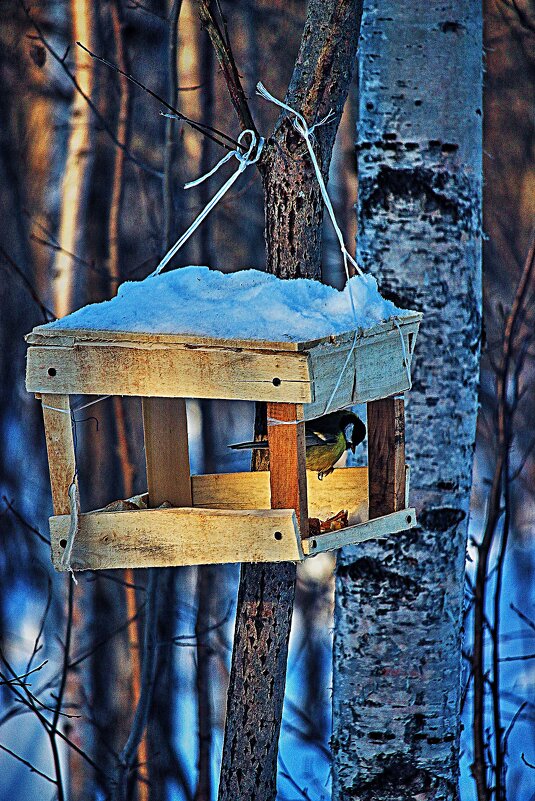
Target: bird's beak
[{"x": 353, "y": 447}]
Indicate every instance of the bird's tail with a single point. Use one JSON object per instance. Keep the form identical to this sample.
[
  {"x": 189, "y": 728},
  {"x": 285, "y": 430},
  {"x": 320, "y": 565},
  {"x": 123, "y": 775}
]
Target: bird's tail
[{"x": 262, "y": 444}]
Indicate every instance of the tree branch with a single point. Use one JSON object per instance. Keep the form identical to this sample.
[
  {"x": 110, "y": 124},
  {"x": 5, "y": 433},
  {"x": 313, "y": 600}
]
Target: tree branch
[
  {"x": 225, "y": 56},
  {"x": 205, "y": 130}
]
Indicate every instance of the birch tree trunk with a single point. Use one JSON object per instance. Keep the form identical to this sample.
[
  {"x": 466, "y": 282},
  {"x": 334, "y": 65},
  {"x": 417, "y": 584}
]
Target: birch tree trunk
[
  {"x": 294, "y": 216},
  {"x": 77, "y": 167},
  {"x": 398, "y": 610}
]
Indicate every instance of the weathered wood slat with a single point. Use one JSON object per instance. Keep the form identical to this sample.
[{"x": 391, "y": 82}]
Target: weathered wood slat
[
  {"x": 386, "y": 456},
  {"x": 169, "y": 372},
  {"x": 372, "y": 529},
  {"x": 376, "y": 369},
  {"x": 44, "y": 335},
  {"x": 287, "y": 461},
  {"x": 173, "y": 537},
  {"x": 344, "y": 489},
  {"x": 60, "y": 449},
  {"x": 165, "y": 431}
]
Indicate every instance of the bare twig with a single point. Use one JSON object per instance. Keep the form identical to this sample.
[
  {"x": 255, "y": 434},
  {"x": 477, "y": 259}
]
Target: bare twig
[
  {"x": 45, "y": 311},
  {"x": 499, "y": 490},
  {"x": 23, "y": 521},
  {"x": 29, "y": 765},
  {"x": 61, "y": 60},
  {"x": 170, "y": 125},
  {"x": 206, "y": 130},
  {"x": 221, "y": 43},
  {"x": 528, "y": 621}
]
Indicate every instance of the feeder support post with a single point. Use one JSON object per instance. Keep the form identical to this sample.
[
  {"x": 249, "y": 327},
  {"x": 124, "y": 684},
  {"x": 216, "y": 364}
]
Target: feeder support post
[
  {"x": 165, "y": 431},
  {"x": 386, "y": 456},
  {"x": 287, "y": 461},
  {"x": 60, "y": 449}
]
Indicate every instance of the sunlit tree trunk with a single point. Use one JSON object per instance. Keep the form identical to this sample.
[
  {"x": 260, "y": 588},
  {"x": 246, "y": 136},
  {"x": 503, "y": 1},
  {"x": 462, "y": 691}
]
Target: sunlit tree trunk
[
  {"x": 78, "y": 164},
  {"x": 397, "y": 654}
]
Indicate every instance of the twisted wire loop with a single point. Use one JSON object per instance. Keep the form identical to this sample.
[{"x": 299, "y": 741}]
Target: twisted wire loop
[{"x": 250, "y": 156}]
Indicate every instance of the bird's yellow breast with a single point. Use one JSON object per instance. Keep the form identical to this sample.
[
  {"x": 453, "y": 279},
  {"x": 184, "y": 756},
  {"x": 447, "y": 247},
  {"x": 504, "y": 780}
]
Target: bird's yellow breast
[{"x": 322, "y": 457}]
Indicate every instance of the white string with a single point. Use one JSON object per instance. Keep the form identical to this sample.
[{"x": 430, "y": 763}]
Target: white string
[
  {"x": 306, "y": 131},
  {"x": 405, "y": 355},
  {"x": 77, "y": 408},
  {"x": 251, "y": 156},
  {"x": 74, "y": 527}
]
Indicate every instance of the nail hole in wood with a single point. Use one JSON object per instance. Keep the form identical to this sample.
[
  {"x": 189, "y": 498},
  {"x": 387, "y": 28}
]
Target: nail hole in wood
[
  {"x": 409, "y": 519},
  {"x": 52, "y": 372},
  {"x": 314, "y": 544},
  {"x": 278, "y": 535},
  {"x": 63, "y": 543},
  {"x": 277, "y": 382}
]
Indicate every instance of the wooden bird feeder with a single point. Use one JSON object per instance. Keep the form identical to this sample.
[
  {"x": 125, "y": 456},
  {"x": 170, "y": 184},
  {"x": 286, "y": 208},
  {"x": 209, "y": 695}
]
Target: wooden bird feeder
[{"x": 237, "y": 517}]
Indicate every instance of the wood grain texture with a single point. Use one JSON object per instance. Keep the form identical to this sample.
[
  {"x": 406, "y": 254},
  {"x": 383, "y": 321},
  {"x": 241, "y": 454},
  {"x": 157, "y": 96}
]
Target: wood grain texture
[
  {"x": 375, "y": 529},
  {"x": 376, "y": 369},
  {"x": 60, "y": 449},
  {"x": 345, "y": 488},
  {"x": 287, "y": 461},
  {"x": 173, "y": 537},
  {"x": 386, "y": 456},
  {"x": 45, "y": 335},
  {"x": 179, "y": 371},
  {"x": 165, "y": 432}
]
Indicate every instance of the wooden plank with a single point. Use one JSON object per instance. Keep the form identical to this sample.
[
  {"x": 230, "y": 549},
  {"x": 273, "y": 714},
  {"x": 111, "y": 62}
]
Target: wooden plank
[
  {"x": 287, "y": 461},
  {"x": 60, "y": 449},
  {"x": 169, "y": 372},
  {"x": 376, "y": 369},
  {"x": 172, "y": 537},
  {"x": 371, "y": 530},
  {"x": 165, "y": 432},
  {"x": 386, "y": 456},
  {"x": 344, "y": 489},
  {"x": 45, "y": 334}
]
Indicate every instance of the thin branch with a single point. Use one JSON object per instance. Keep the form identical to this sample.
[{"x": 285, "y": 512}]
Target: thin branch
[
  {"x": 29, "y": 765},
  {"x": 205, "y": 130},
  {"x": 45, "y": 311},
  {"x": 170, "y": 125},
  {"x": 20, "y": 679},
  {"x": 500, "y": 487},
  {"x": 23, "y": 521},
  {"x": 527, "y": 620},
  {"x": 61, "y": 61},
  {"x": 221, "y": 43}
]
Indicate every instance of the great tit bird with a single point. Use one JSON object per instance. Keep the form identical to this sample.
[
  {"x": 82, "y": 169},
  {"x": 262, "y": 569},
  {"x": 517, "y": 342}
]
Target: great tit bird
[{"x": 327, "y": 438}]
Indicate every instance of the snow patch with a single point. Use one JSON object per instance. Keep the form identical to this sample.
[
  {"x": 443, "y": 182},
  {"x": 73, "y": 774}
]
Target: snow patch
[{"x": 244, "y": 305}]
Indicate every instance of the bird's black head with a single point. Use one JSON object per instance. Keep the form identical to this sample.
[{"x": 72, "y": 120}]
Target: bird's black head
[{"x": 354, "y": 430}]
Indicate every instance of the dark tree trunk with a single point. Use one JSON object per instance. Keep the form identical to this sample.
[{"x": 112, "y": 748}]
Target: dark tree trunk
[{"x": 294, "y": 216}]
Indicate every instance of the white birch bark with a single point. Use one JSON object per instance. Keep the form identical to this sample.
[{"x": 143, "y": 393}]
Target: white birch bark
[
  {"x": 73, "y": 221},
  {"x": 399, "y": 603}
]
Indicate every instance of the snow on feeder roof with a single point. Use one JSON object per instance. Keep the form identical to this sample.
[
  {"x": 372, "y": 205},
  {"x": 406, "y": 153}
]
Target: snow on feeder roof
[{"x": 246, "y": 305}]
